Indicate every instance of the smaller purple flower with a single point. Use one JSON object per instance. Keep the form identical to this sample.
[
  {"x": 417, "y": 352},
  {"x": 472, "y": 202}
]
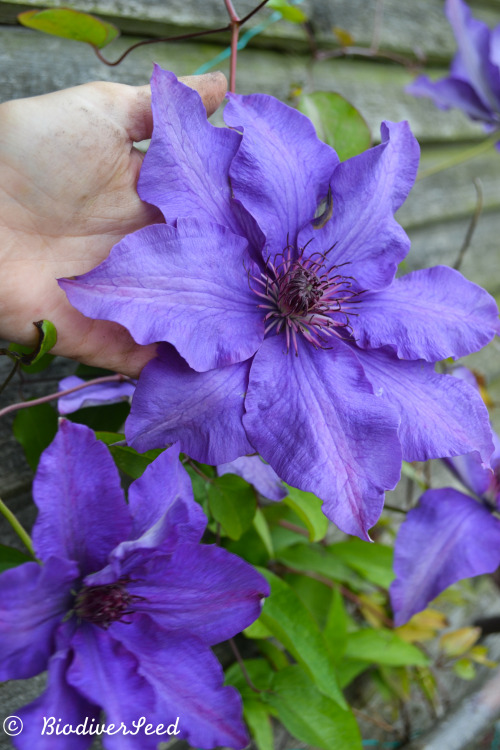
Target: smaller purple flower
[
  {"x": 95, "y": 395},
  {"x": 474, "y": 81},
  {"x": 254, "y": 471},
  {"x": 449, "y": 535},
  {"x": 126, "y": 605}
]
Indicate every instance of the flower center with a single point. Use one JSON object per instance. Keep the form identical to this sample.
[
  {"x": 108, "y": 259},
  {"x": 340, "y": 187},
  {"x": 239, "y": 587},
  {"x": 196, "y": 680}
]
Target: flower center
[
  {"x": 303, "y": 296},
  {"x": 104, "y": 604}
]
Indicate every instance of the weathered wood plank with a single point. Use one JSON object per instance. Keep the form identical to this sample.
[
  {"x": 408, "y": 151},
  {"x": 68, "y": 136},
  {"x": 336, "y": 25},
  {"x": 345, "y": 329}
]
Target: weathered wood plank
[
  {"x": 406, "y": 26},
  {"x": 33, "y": 63}
]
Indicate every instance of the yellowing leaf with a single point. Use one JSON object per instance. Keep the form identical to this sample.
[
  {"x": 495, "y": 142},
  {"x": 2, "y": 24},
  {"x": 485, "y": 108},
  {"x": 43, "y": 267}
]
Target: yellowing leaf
[
  {"x": 465, "y": 669},
  {"x": 344, "y": 37},
  {"x": 458, "y": 642}
]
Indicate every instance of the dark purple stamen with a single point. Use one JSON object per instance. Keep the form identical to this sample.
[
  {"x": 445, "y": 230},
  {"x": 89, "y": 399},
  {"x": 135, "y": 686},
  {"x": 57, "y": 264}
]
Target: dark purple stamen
[
  {"x": 303, "y": 296},
  {"x": 103, "y": 605}
]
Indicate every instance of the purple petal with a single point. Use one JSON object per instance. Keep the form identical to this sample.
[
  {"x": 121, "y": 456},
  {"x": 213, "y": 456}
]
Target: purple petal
[
  {"x": 315, "y": 419},
  {"x": 440, "y": 415},
  {"x": 201, "y": 591},
  {"x": 187, "y": 285},
  {"x": 201, "y": 410},
  {"x": 367, "y": 190},
  {"x": 187, "y": 679},
  {"x": 163, "y": 510},
  {"x": 254, "y": 471},
  {"x": 59, "y": 701},
  {"x": 94, "y": 395},
  {"x": 452, "y": 92},
  {"x": 33, "y": 600},
  {"x": 437, "y": 545},
  {"x": 82, "y": 510},
  {"x": 431, "y": 314},
  {"x": 105, "y": 672},
  {"x": 185, "y": 171},
  {"x": 472, "y": 62},
  {"x": 281, "y": 171}
]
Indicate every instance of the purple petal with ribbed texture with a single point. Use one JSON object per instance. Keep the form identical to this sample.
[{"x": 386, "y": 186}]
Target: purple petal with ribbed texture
[
  {"x": 59, "y": 701},
  {"x": 82, "y": 510},
  {"x": 185, "y": 170},
  {"x": 202, "y": 411},
  {"x": 472, "y": 62},
  {"x": 105, "y": 672},
  {"x": 440, "y": 415},
  {"x": 452, "y": 92},
  {"x": 430, "y": 314},
  {"x": 449, "y": 536},
  {"x": 315, "y": 419},
  {"x": 187, "y": 285},
  {"x": 201, "y": 590},
  {"x": 94, "y": 395},
  {"x": 33, "y": 601},
  {"x": 188, "y": 682},
  {"x": 163, "y": 510},
  {"x": 281, "y": 171},
  {"x": 254, "y": 471},
  {"x": 367, "y": 190}
]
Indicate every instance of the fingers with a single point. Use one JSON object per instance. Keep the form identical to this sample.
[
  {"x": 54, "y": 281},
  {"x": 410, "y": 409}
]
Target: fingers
[{"x": 211, "y": 87}]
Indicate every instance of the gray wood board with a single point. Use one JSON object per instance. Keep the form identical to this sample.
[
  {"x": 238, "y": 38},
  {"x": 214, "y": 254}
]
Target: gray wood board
[
  {"x": 407, "y": 26},
  {"x": 32, "y": 63}
]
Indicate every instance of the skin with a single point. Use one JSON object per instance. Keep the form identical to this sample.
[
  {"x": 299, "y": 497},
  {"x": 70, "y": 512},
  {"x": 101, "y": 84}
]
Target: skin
[{"x": 68, "y": 176}]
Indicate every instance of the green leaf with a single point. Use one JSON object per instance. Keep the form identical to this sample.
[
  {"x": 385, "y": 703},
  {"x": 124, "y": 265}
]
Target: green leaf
[
  {"x": 41, "y": 363},
  {"x": 275, "y": 656},
  {"x": 337, "y": 122},
  {"x": 259, "y": 672},
  {"x": 70, "y": 24},
  {"x": 289, "y": 12},
  {"x": 335, "y": 630},
  {"x": 383, "y": 647},
  {"x": 310, "y": 716},
  {"x": 232, "y": 503},
  {"x": 373, "y": 561},
  {"x": 108, "y": 417},
  {"x": 314, "y": 594},
  {"x": 35, "y": 428},
  {"x": 27, "y": 356},
  {"x": 290, "y": 622},
  {"x": 257, "y": 717},
  {"x": 465, "y": 669},
  {"x": 257, "y": 630},
  {"x": 261, "y": 527},
  {"x": 10, "y": 557},
  {"x": 308, "y": 507},
  {"x": 349, "y": 669},
  {"x": 317, "y": 559},
  {"x": 130, "y": 462}
]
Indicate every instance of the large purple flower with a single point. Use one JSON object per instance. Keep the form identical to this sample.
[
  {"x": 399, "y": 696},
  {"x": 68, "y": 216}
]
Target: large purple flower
[
  {"x": 287, "y": 334},
  {"x": 474, "y": 83},
  {"x": 449, "y": 535},
  {"x": 126, "y": 605}
]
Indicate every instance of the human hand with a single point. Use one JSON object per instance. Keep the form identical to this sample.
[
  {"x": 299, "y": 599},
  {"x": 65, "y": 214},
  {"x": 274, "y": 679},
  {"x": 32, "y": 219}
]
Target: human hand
[{"x": 68, "y": 175}]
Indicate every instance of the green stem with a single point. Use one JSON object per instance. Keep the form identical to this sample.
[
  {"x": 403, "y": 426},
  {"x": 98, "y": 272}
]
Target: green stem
[
  {"x": 470, "y": 153},
  {"x": 20, "y": 531}
]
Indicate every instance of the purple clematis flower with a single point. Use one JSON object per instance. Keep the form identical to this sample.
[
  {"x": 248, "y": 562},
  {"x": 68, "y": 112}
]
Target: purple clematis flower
[
  {"x": 94, "y": 395},
  {"x": 449, "y": 535},
  {"x": 125, "y": 606},
  {"x": 256, "y": 472},
  {"x": 474, "y": 83},
  {"x": 286, "y": 332}
]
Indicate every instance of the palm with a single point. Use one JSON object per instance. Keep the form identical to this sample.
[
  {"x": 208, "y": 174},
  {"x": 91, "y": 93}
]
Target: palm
[{"x": 68, "y": 175}]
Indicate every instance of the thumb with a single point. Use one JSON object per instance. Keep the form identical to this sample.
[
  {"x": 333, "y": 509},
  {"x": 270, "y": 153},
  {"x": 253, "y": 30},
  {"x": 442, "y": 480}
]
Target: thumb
[{"x": 211, "y": 87}]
